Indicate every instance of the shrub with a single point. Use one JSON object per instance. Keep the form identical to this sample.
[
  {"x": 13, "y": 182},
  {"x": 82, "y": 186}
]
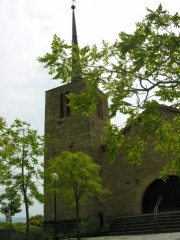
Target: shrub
[
  {"x": 4, "y": 225},
  {"x": 89, "y": 227},
  {"x": 36, "y": 220}
]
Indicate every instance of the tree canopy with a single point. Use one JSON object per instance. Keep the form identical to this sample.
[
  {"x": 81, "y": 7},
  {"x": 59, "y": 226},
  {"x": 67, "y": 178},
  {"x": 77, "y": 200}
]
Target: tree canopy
[
  {"x": 139, "y": 73},
  {"x": 10, "y": 201},
  {"x": 20, "y": 152},
  {"x": 78, "y": 179},
  {"x": 78, "y": 176}
]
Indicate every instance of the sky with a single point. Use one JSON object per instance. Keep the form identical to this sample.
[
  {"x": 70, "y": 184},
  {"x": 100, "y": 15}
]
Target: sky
[{"x": 26, "y": 32}]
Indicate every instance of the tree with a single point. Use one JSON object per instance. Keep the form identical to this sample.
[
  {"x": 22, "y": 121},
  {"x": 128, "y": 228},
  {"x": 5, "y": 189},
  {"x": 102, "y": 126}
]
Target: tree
[
  {"x": 20, "y": 152},
  {"x": 11, "y": 203},
  {"x": 5, "y": 148},
  {"x": 139, "y": 73},
  {"x": 78, "y": 179}
]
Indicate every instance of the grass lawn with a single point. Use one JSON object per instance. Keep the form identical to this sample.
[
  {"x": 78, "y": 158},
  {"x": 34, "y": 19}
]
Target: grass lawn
[{"x": 17, "y": 232}]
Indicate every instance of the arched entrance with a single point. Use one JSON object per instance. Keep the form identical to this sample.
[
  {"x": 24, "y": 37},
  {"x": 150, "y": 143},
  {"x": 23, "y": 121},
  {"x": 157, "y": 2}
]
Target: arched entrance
[{"x": 170, "y": 192}]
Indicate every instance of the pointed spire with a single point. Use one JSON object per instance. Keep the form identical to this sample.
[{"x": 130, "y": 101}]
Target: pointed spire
[
  {"x": 76, "y": 68},
  {"x": 74, "y": 31}
]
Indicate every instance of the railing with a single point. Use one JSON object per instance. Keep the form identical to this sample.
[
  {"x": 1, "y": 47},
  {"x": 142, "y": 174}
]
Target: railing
[{"x": 156, "y": 212}]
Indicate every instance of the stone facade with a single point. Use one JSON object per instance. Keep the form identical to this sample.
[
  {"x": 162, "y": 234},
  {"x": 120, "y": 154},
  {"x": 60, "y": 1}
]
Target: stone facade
[
  {"x": 129, "y": 183},
  {"x": 71, "y": 132},
  {"x": 126, "y": 182}
]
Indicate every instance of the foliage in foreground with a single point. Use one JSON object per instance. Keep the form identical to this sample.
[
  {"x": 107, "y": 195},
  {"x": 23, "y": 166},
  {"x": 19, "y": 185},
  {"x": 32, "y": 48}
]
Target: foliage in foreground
[
  {"x": 20, "y": 149},
  {"x": 36, "y": 220},
  {"x": 91, "y": 227},
  {"x": 18, "y": 231},
  {"x": 139, "y": 72},
  {"x": 10, "y": 202},
  {"x": 78, "y": 180}
]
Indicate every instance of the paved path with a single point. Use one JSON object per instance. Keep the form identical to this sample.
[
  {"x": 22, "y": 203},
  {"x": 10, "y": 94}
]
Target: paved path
[{"x": 160, "y": 236}]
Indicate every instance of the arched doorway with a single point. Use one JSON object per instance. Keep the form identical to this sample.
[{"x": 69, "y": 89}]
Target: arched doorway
[{"x": 170, "y": 192}]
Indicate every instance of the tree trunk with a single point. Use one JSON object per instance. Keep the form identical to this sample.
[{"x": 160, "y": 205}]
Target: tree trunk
[
  {"x": 77, "y": 219},
  {"x": 10, "y": 221},
  {"x": 27, "y": 216},
  {"x": 24, "y": 189}
]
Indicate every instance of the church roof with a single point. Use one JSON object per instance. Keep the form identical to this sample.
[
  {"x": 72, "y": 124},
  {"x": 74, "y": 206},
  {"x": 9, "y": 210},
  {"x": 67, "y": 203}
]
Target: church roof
[{"x": 163, "y": 108}]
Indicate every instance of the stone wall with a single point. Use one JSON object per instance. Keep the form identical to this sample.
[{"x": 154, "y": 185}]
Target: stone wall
[
  {"x": 126, "y": 182},
  {"x": 129, "y": 183},
  {"x": 75, "y": 133}
]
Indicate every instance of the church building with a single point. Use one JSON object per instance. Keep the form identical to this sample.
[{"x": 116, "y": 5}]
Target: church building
[{"x": 134, "y": 190}]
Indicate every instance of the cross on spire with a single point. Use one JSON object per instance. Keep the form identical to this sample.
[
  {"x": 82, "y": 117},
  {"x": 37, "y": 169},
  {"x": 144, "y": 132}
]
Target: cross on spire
[{"x": 73, "y": 6}]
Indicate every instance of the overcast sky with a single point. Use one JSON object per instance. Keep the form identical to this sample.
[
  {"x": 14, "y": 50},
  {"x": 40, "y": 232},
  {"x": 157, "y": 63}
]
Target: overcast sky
[{"x": 26, "y": 32}]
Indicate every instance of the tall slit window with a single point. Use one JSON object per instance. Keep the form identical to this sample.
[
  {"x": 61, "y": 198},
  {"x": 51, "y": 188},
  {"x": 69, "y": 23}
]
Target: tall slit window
[
  {"x": 67, "y": 104},
  {"x": 61, "y": 105},
  {"x": 64, "y": 108},
  {"x": 100, "y": 109}
]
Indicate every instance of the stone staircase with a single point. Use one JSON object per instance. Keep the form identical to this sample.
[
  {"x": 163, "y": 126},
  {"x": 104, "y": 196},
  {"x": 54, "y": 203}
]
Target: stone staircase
[{"x": 146, "y": 224}]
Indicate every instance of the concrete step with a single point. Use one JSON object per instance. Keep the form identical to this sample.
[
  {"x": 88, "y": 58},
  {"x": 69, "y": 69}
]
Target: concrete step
[{"x": 146, "y": 223}]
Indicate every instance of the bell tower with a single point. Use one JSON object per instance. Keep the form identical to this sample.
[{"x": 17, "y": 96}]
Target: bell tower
[{"x": 71, "y": 130}]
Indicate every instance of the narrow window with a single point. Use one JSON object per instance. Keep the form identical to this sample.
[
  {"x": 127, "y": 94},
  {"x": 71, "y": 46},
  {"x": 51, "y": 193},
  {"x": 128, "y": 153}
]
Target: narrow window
[
  {"x": 67, "y": 105},
  {"x": 100, "y": 109},
  {"x": 61, "y": 105},
  {"x": 64, "y": 105}
]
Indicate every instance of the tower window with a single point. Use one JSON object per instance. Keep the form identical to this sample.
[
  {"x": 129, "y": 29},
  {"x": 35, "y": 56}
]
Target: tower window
[
  {"x": 100, "y": 109},
  {"x": 61, "y": 105},
  {"x": 67, "y": 106},
  {"x": 64, "y": 108}
]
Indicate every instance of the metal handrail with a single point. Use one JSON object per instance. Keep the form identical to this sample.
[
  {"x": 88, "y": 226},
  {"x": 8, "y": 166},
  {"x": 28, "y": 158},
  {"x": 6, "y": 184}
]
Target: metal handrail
[
  {"x": 157, "y": 205},
  {"x": 156, "y": 212}
]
